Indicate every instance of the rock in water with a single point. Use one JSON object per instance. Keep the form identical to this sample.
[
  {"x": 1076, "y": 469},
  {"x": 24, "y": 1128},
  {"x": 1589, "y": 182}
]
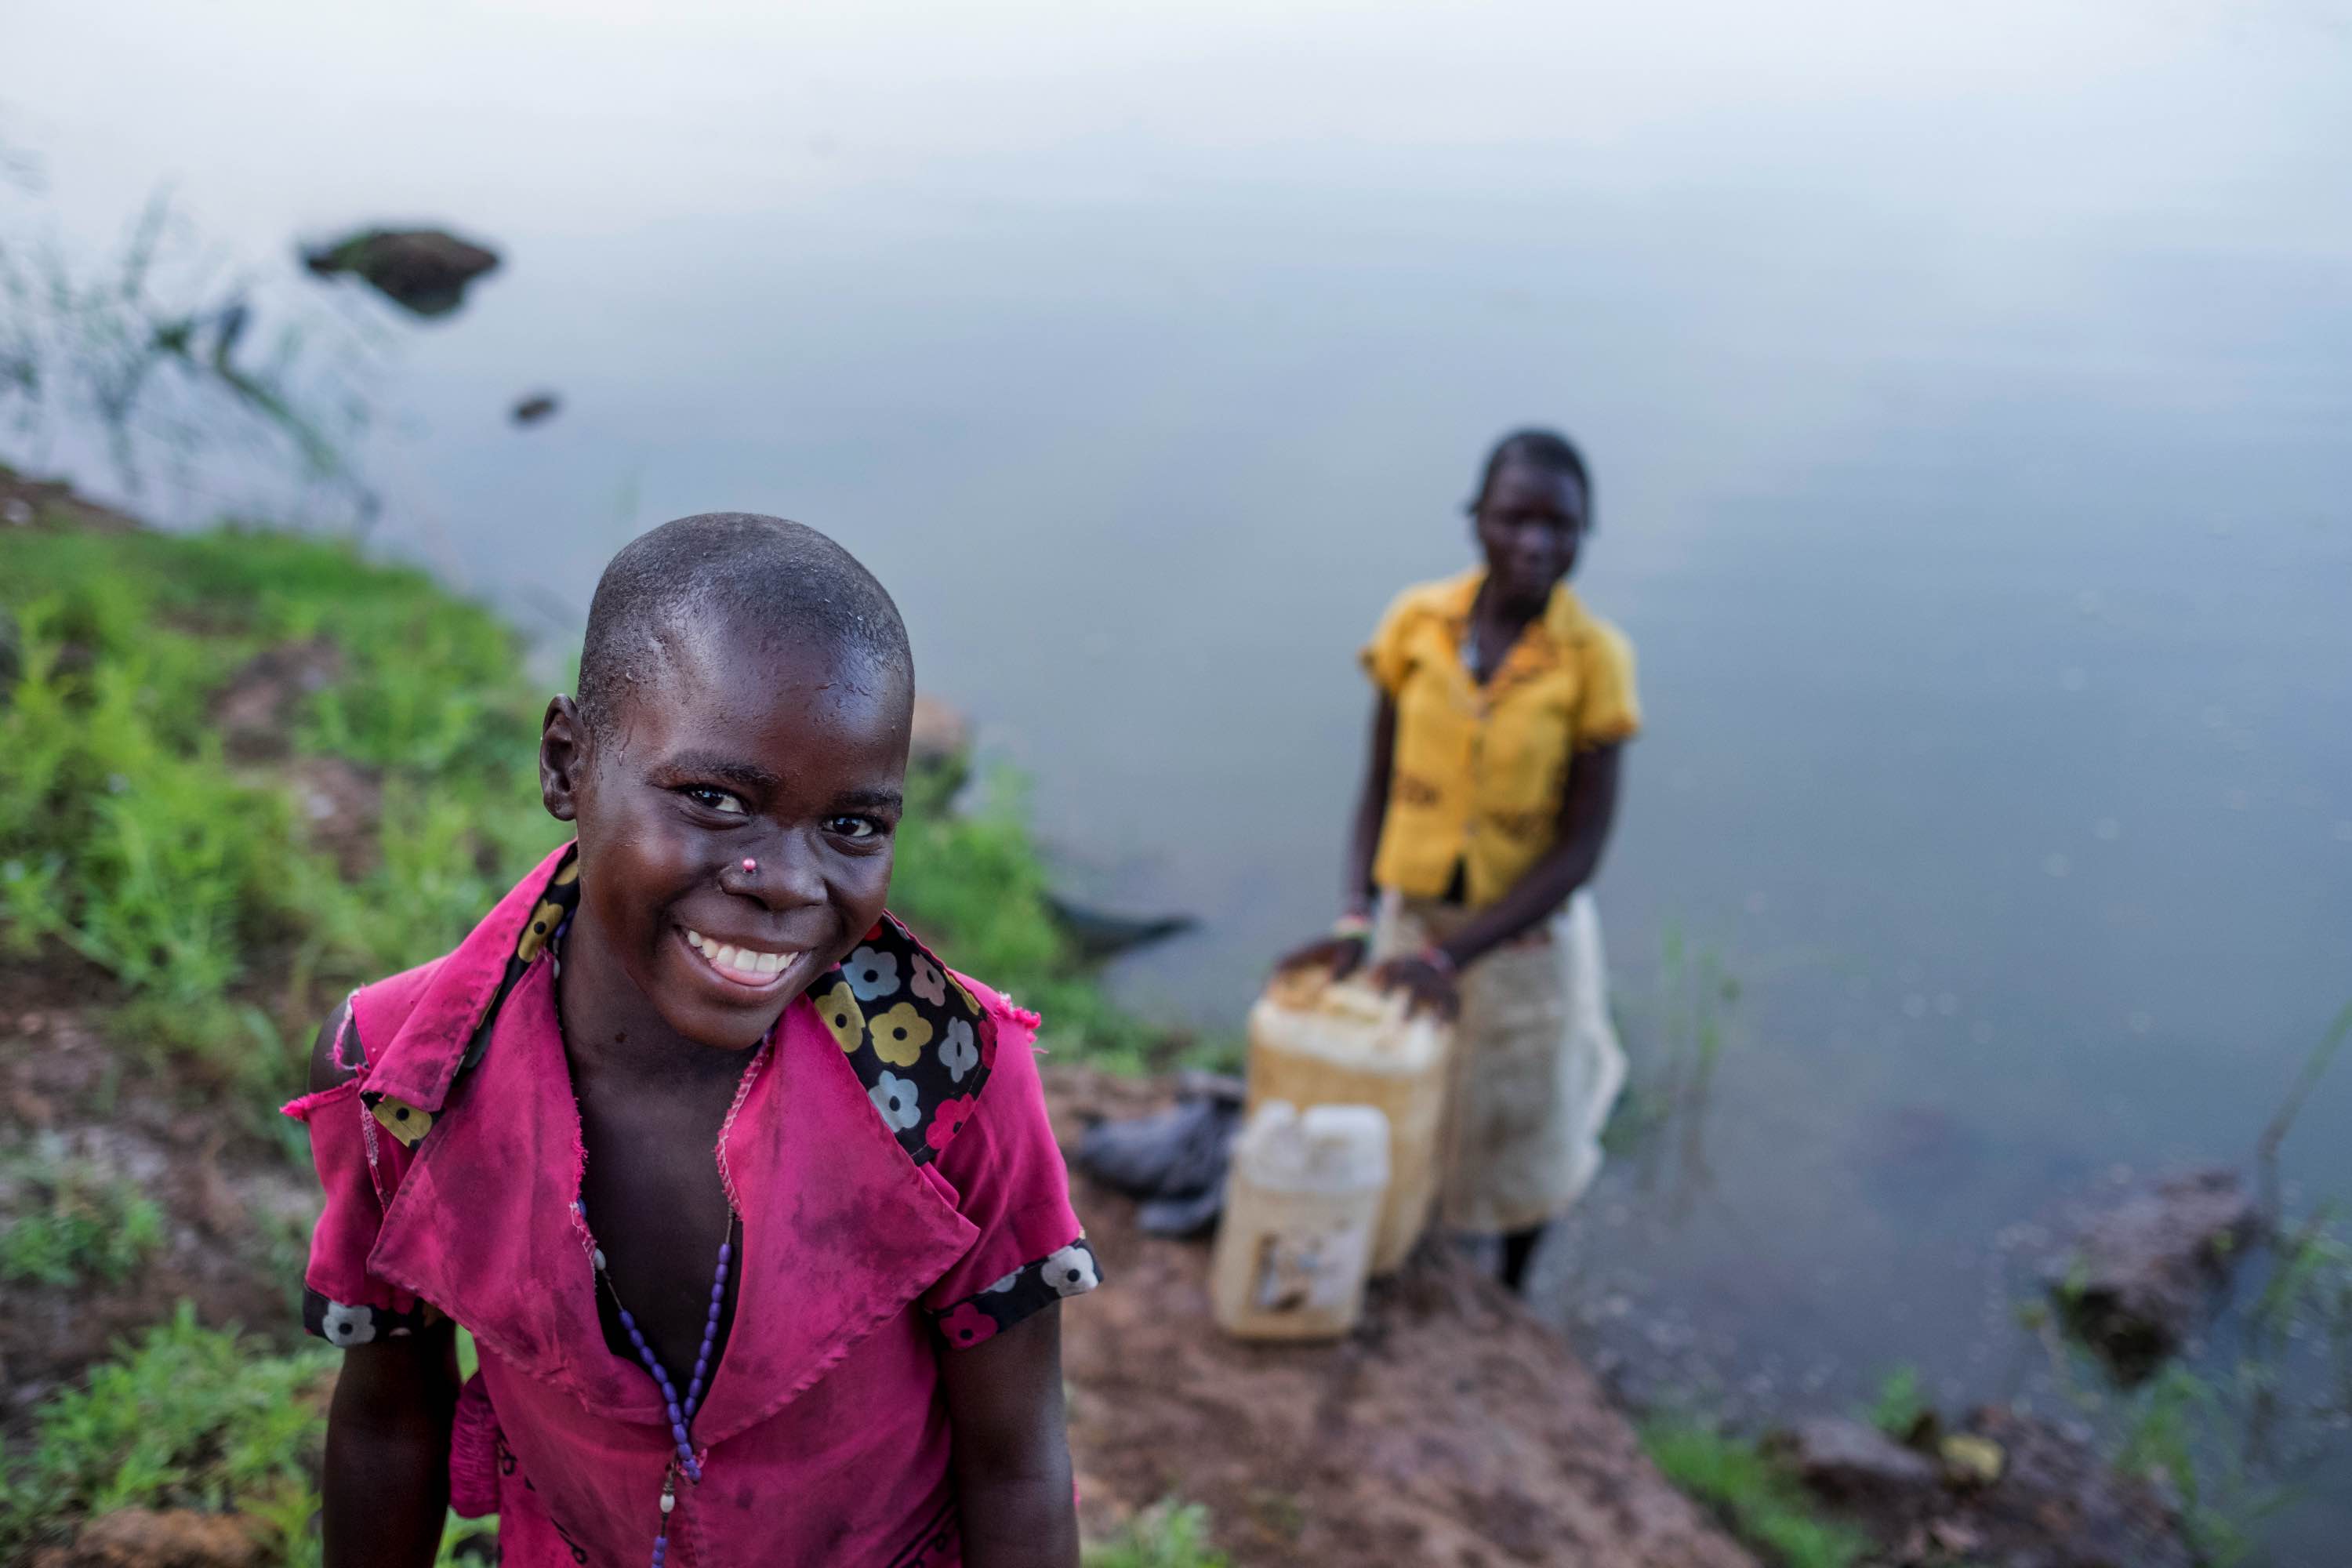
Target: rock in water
[
  {"x": 2141, "y": 1275},
  {"x": 2006, "y": 1491},
  {"x": 530, "y": 410},
  {"x": 1097, "y": 935},
  {"x": 1851, "y": 1462},
  {"x": 424, "y": 270}
]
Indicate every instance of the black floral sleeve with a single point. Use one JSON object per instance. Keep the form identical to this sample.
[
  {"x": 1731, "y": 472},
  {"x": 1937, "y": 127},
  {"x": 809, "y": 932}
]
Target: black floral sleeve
[
  {"x": 340, "y": 1325},
  {"x": 1071, "y": 1270}
]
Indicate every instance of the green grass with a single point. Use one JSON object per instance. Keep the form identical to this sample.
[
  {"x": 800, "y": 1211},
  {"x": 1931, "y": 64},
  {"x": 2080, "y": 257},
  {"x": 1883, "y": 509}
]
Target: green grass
[
  {"x": 1760, "y": 1503},
  {"x": 188, "y": 1417},
  {"x": 1167, "y": 1535},
  {"x": 74, "y": 1222},
  {"x": 973, "y": 884},
  {"x": 127, "y": 836},
  {"x": 1900, "y": 1405}
]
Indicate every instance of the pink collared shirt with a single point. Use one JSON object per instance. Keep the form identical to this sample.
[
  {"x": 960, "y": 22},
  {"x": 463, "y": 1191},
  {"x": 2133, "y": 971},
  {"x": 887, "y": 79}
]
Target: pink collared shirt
[{"x": 901, "y": 1194}]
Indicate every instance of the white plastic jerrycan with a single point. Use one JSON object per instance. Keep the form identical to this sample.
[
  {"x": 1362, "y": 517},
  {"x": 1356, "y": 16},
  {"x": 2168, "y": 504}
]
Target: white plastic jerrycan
[
  {"x": 1302, "y": 1204},
  {"x": 1316, "y": 1041}
]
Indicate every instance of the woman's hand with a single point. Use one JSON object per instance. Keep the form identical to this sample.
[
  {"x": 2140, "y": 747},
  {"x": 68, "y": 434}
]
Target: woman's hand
[
  {"x": 1341, "y": 955},
  {"x": 1429, "y": 985}
]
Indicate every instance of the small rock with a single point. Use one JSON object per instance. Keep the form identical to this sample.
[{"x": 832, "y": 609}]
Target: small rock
[
  {"x": 942, "y": 735},
  {"x": 2141, "y": 1274},
  {"x": 166, "y": 1538},
  {"x": 1851, "y": 1461},
  {"x": 530, "y": 410},
  {"x": 1971, "y": 1460},
  {"x": 424, "y": 270}
]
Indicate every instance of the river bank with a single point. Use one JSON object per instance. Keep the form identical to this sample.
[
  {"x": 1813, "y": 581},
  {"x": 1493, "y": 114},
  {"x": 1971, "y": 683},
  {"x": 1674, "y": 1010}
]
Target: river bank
[{"x": 243, "y": 771}]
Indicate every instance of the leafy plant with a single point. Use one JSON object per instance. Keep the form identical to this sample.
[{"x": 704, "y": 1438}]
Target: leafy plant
[
  {"x": 1169, "y": 1534},
  {"x": 1900, "y": 1405},
  {"x": 188, "y": 1417},
  {"x": 1758, "y": 1499},
  {"x": 74, "y": 1222}
]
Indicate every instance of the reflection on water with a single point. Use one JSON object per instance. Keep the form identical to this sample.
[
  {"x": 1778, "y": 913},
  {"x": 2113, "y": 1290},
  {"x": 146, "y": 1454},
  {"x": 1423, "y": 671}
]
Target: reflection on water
[{"x": 1969, "y": 410}]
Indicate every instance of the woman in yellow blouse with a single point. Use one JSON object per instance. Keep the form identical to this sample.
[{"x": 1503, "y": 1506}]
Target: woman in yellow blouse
[{"x": 1503, "y": 707}]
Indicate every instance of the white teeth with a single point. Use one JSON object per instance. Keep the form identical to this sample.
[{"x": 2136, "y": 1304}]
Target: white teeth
[{"x": 743, "y": 962}]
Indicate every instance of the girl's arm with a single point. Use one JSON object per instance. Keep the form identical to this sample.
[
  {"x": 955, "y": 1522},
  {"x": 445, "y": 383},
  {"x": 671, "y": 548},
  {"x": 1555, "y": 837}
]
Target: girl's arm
[
  {"x": 1012, "y": 1452},
  {"x": 386, "y": 1488},
  {"x": 1587, "y": 809},
  {"x": 386, "y": 1493},
  {"x": 1341, "y": 955}
]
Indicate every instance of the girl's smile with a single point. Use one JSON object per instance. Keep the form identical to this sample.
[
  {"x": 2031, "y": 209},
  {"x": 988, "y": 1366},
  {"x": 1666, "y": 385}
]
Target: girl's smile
[{"x": 744, "y": 963}]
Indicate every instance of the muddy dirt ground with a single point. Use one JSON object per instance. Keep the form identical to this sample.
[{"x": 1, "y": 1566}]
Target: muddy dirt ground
[{"x": 1452, "y": 1429}]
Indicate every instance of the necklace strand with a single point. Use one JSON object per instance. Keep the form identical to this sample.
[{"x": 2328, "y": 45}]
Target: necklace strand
[{"x": 681, "y": 1412}]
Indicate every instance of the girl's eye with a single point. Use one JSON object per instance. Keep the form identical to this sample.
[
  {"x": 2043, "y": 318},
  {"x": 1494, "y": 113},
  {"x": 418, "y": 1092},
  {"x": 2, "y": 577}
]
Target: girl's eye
[
  {"x": 858, "y": 827},
  {"x": 711, "y": 799}
]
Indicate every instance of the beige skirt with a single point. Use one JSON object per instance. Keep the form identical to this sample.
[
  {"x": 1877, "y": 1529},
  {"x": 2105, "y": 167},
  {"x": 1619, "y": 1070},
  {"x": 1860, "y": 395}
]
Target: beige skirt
[{"x": 1536, "y": 1065}]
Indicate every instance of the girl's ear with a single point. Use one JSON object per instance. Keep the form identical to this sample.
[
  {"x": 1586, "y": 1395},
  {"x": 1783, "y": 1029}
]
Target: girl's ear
[{"x": 562, "y": 758}]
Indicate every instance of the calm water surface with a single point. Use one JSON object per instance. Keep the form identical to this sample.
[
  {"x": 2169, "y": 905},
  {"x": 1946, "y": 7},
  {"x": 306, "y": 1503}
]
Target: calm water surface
[{"x": 1970, "y": 405}]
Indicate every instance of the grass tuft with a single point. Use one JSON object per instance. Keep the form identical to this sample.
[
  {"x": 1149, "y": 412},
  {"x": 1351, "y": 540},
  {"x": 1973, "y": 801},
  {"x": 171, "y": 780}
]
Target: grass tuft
[
  {"x": 1169, "y": 1534},
  {"x": 188, "y": 1417},
  {"x": 1760, "y": 1503}
]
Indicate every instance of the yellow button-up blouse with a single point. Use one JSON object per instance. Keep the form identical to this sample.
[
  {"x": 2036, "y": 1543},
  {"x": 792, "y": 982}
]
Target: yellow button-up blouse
[{"x": 1479, "y": 770}]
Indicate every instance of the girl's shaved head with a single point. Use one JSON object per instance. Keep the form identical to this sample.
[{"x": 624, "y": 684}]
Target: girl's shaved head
[{"x": 761, "y": 578}]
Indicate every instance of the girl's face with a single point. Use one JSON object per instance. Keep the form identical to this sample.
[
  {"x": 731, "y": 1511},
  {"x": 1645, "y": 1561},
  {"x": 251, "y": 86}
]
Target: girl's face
[
  {"x": 793, "y": 758},
  {"x": 1529, "y": 523}
]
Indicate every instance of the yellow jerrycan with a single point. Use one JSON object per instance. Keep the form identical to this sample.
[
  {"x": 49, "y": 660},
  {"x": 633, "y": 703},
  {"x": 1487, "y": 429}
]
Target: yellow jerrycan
[
  {"x": 1302, "y": 1201},
  {"x": 1314, "y": 1040}
]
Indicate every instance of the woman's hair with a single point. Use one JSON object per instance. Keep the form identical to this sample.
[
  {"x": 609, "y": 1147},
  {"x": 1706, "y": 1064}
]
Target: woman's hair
[{"x": 1546, "y": 449}]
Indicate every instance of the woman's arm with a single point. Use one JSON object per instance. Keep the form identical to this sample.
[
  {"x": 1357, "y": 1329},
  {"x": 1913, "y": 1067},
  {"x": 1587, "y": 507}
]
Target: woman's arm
[
  {"x": 1341, "y": 955},
  {"x": 386, "y": 1493},
  {"x": 1012, "y": 1450},
  {"x": 1371, "y": 807},
  {"x": 1587, "y": 809}
]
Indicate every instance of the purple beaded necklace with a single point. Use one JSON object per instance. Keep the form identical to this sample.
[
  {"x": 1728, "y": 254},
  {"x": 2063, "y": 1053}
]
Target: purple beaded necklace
[{"x": 681, "y": 1410}]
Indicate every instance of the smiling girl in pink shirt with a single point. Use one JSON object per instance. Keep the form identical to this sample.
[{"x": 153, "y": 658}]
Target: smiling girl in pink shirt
[{"x": 749, "y": 1202}]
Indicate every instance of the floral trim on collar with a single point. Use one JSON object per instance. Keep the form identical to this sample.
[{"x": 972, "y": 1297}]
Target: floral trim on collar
[
  {"x": 918, "y": 1040},
  {"x": 409, "y": 1123}
]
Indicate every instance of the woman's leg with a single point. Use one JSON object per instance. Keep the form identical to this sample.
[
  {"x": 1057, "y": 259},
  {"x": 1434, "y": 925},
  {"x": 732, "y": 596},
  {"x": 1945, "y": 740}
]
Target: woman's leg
[{"x": 1518, "y": 1251}]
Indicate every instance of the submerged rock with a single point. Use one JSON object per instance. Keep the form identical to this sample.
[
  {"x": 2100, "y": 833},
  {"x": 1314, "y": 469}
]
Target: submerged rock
[
  {"x": 2142, "y": 1274},
  {"x": 2005, "y": 1491},
  {"x": 2059, "y": 1504},
  {"x": 1852, "y": 1462},
  {"x": 1097, "y": 935},
  {"x": 422, "y": 270}
]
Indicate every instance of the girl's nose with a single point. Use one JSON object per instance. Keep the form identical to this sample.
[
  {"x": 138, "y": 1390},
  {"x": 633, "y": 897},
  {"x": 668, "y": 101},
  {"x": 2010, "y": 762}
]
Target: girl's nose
[{"x": 783, "y": 875}]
